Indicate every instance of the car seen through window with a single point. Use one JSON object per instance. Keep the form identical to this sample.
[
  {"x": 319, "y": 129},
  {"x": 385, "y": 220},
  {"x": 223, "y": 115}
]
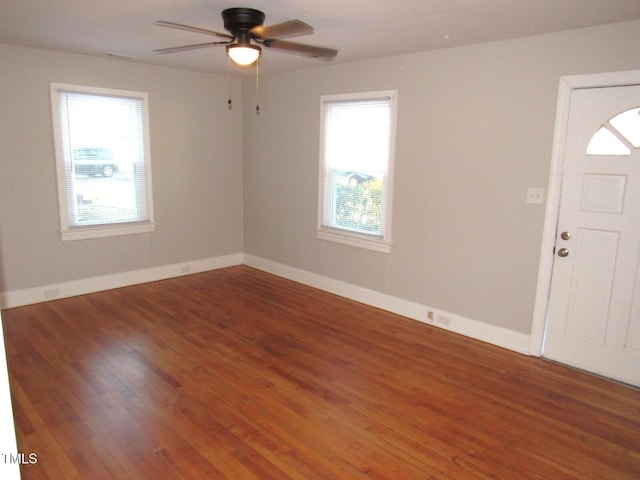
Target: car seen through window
[{"x": 94, "y": 161}]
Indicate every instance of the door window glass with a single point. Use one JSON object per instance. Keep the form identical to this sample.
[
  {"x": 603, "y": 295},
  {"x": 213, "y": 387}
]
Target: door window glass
[{"x": 618, "y": 135}]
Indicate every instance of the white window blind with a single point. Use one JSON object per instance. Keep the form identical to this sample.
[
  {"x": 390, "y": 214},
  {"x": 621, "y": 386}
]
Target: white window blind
[
  {"x": 356, "y": 166},
  {"x": 102, "y": 160}
]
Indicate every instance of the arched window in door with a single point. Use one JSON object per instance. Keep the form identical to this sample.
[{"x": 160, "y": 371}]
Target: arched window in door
[{"x": 618, "y": 136}]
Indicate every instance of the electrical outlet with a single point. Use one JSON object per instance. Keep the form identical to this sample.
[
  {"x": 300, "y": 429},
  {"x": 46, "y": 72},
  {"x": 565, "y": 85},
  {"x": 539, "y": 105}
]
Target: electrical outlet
[
  {"x": 51, "y": 293},
  {"x": 535, "y": 195},
  {"x": 444, "y": 320},
  {"x": 430, "y": 315}
]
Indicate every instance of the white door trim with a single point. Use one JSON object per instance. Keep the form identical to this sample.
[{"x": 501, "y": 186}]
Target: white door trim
[{"x": 543, "y": 289}]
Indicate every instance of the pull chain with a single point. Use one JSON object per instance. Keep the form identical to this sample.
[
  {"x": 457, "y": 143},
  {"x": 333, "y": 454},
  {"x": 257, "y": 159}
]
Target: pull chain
[
  {"x": 257, "y": 86},
  {"x": 229, "y": 101}
]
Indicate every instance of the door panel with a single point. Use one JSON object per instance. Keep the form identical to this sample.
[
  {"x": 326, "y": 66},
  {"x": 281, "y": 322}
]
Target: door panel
[
  {"x": 593, "y": 319},
  {"x": 591, "y": 285},
  {"x": 603, "y": 193},
  {"x": 633, "y": 339}
]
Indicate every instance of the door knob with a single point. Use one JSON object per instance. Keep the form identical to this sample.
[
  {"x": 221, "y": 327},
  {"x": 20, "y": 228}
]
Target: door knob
[
  {"x": 563, "y": 252},
  {"x": 565, "y": 235}
]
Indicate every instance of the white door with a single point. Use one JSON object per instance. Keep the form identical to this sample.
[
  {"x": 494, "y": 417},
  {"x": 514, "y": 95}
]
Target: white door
[
  {"x": 8, "y": 469},
  {"x": 593, "y": 320}
]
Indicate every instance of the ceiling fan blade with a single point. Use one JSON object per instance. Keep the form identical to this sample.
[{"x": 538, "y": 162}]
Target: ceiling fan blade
[
  {"x": 189, "y": 28},
  {"x": 189, "y": 47},
  {"x": 291, "y": 28},
  {"x": 321, "y": 53}
]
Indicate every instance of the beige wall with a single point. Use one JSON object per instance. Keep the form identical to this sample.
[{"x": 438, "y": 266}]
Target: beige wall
[
  {"x": 196, "y": 153},
  {"x": 475, "y": 130}
]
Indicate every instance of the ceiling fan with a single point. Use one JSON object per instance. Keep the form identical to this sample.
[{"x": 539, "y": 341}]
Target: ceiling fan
[{"x": 245, "y": 25}]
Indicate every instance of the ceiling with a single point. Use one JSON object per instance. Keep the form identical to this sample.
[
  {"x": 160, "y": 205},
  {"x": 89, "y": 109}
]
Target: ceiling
[{"x": 359, "y": 29}]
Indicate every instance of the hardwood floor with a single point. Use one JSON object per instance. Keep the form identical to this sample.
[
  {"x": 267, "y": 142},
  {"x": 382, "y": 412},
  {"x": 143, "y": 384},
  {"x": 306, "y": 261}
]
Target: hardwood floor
[{"x": 239, "y": 374}]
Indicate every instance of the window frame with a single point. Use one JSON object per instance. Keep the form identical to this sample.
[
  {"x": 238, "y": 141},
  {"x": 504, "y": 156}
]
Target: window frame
[
  {"x": 379, "y": 243},
  {"x": 63, "y": 167}
]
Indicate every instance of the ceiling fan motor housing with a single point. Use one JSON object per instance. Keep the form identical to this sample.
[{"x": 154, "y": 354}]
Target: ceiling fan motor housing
[{"x": 241, "y": 19}]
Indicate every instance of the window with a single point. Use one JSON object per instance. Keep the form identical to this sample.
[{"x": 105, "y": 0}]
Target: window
[
  {"x": 102, "y": 160},
  {"x": 356, "y": 160},
  {"x": 618, "y": 136}
]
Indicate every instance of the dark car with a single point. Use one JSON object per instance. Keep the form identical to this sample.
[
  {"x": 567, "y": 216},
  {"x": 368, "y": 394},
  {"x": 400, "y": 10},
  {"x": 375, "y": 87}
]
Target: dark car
[
  {"x": 94, "y": 161},
  {"x": 356, "y": 178}
]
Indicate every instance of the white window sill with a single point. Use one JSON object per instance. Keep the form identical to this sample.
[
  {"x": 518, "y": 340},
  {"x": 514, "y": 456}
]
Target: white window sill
[
  {"x": 355, "y": 240},
  {"x": 111, "y": 230}
]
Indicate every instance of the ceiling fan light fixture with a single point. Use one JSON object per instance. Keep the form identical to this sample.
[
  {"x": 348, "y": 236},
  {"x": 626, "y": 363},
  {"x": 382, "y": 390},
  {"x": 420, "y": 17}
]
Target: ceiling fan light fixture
[{"x": 243, "y": 54}]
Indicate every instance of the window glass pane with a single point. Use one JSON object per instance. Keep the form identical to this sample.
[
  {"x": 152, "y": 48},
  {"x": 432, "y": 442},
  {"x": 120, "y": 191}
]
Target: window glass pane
[
  {"x": 103, "y": 158},
  {"x": 628, "y": 124},
  {"x": 604, "y": 142},
  {"x": 357, "y": 201},
  {"x": 357, "y": 136}
]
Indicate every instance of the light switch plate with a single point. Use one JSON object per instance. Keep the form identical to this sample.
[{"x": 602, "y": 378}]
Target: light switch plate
[{"x": 535, "y": 195}]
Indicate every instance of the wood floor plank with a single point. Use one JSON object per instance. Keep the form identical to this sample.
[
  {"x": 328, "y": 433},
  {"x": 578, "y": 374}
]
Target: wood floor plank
[{"x": 238, "y": 374}]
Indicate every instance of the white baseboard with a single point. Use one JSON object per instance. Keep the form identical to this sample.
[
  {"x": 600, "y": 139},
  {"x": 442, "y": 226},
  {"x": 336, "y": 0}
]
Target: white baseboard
[
  {"x": 17, "y": 298},
  {"x": 512, "y": 340},
  {"x": 502, "y": 337}
]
